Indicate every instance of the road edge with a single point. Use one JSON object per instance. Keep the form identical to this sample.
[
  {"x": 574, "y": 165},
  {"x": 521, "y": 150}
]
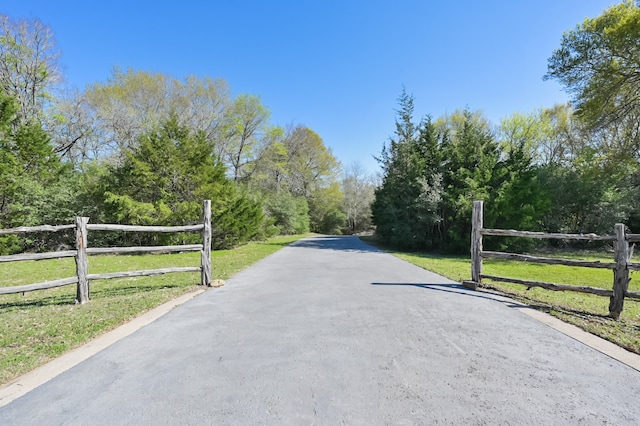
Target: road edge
[
  {"x": 603, "y": 346},
  {"x": 27, "y": 382}
]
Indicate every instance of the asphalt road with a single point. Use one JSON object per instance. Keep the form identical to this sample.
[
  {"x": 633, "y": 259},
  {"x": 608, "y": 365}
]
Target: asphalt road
[{"x": 330, "y": 331}]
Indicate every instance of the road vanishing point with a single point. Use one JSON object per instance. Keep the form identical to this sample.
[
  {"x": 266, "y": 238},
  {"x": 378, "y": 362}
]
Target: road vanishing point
[{"x": 331, "y": 331}]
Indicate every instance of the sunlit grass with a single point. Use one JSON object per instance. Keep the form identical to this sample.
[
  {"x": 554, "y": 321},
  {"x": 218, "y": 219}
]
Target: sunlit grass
[{"x": 38, "y": 326}]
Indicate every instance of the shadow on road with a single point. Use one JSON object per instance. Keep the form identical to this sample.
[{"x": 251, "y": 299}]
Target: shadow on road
[
  {"x": 459, "y": 289},
  {"x": 336, "y": 242}
]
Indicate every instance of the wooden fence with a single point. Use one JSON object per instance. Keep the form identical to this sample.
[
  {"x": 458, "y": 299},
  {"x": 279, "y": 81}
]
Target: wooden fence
[
  {"x": 82, "y": 251},
  {"x": 620, "y": 266}
]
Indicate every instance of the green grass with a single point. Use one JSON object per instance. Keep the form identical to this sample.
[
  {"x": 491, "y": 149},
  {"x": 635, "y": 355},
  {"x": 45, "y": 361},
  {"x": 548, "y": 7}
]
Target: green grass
[
  {"x": 586, "y": 311},
  {"x": 38, "y": 326}
]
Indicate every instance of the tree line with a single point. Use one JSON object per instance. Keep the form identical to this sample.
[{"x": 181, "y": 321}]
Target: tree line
[
  {"x": 146, "y": 148},
  {"x": 571, "y": 168}
]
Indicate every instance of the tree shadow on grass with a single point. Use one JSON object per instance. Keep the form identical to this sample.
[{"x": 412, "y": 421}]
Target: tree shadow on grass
[
  {"x": 96, "y": 292},
  {"x": 111, "y": 291},
  {"x": 58, "y": 300}
]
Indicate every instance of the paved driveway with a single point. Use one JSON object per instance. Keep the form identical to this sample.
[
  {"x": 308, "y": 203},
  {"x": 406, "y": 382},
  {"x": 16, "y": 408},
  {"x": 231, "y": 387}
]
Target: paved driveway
[{"x": 330, "y": 331}]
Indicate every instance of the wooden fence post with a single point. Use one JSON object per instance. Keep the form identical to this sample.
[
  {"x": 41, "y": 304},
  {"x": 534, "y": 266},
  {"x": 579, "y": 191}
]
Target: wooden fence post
[
  {"x": 205, "y": 254},
  {"x": 621, "y": 273},
  {"x": 82, "y": 261},
  {"x": 476, "y": 242}
]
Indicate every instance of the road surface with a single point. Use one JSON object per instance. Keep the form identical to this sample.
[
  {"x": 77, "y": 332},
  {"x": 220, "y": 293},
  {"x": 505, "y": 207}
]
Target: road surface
[{"x": 331, "y": 331}]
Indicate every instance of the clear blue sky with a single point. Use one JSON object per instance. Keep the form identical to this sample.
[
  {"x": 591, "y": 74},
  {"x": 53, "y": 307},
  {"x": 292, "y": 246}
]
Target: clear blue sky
[{"x": 337, "y": 67}]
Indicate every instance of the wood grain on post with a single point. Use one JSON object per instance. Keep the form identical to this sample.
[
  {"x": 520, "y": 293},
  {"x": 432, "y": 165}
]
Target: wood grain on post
[
  {"x": 206, "y": 273},
  {"x": 621, "y": 273},
  {"x": 476, "y": 241},
  {"x": 82, "y": 261}
]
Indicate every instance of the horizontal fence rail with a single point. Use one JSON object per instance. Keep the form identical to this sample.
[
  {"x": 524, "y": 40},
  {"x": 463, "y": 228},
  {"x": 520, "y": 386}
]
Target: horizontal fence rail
[
  {"x": 544, "y": 235},
  {"x": 620, "y": 267},
  {"x": 41, "y": 228},
  {"x": 137, "y": 228},
  {"x": 81, "y": 253}
]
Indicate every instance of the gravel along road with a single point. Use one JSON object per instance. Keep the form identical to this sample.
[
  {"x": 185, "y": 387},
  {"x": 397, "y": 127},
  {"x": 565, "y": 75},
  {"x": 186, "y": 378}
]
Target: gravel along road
[{"x": 331, "y": 331}]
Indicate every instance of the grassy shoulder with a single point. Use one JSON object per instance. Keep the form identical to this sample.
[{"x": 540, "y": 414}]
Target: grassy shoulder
[
  {"x": 38, "y": 326},
  {"x": 586, "y": 311}
]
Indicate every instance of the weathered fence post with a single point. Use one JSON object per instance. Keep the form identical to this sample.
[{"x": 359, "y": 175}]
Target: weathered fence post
[
  {"x": 621, "y": 273},
  {"x": 476, "y": 243},
  {"x": 205, "y": 275},
  {"x": 82, "y": 261}
]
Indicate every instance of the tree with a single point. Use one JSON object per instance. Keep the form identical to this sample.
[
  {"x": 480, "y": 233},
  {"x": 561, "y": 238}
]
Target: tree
[
  {"x": 132, "y": 103},
  {"x": 29, "y": 67},
  {"x": 164, "y": 178},
  {"x": 30, "y": 176},
  {"x": 599, "y": 64},
  {"x": 309, "y": 164},
  {"x": 359, "y": 193},
  {"x": 469, "y": 169},
  {"x": 246, "y": 123},
  {"x": 405, "y": 209}
]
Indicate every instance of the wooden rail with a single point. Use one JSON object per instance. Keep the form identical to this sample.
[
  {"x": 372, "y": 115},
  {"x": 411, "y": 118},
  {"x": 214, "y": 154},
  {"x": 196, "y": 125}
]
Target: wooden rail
[
  {"x": 620, "y": 267},
  {"x": 41, "y": 228},
  {"x": 82, "y": 252}
]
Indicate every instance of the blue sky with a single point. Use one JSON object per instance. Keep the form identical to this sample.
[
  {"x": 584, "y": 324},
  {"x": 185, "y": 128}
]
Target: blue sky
[{"x": 337, "y": 67}]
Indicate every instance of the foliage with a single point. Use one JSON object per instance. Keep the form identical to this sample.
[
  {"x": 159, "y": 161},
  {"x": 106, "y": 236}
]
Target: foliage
[
  {"x": 107, "y": 118},
  {"x": 34, "y": 185},
  {"x": 470, "y": 170},
  {"x": 290, "y": 214},
  {"x": 29, "y": 68},
  {"x": 245, "y": 130},
  {"x": 405, "y": 209},
  {"x": 164, "y": 179},
  {"x": 358, "y": 189},
  {"x": 599, "y": 63}
]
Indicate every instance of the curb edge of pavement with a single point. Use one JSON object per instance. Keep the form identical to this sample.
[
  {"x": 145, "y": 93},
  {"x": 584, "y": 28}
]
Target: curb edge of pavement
[
  {"x": 31, "y": 380},
  {"x": 603, "y": 346}
]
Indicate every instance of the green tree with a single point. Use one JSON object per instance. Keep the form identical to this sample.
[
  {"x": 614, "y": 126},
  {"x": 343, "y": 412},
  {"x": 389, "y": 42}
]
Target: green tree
[
  {"x": 599, "y": 64},
  {"x": 32, "y": 191},
  {"x": 246, "y": 134},
  {"x": 165, "y": 178},
  {"x": 470, "y": 170},
  {"x": 107, "y": 118},
  {"x": 405, "y": 209}
]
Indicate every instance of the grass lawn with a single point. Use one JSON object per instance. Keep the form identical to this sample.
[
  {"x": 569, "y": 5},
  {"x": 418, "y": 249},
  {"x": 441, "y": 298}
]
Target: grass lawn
[
  {"x": 38, "y": 326},
  {"x": 588, "y": 312}
]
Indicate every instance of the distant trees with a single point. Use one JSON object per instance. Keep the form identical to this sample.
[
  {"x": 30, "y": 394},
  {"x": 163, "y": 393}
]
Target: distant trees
[
  {"x": 558, "y": 169},
  {"x": 147, "y": 148},
  {"x": 359, "y": 193}
]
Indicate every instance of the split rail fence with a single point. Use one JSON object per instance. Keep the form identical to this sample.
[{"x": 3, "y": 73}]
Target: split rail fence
[
  {"x": 82, "y": 252},
  {"x": 620, "y": 266}
]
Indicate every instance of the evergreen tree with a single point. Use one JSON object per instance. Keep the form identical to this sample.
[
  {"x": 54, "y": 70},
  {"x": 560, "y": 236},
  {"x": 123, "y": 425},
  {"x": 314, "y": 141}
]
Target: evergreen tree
[
  {"x": 405, "y": 206},
  {"x": 165, "y": 178}
]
